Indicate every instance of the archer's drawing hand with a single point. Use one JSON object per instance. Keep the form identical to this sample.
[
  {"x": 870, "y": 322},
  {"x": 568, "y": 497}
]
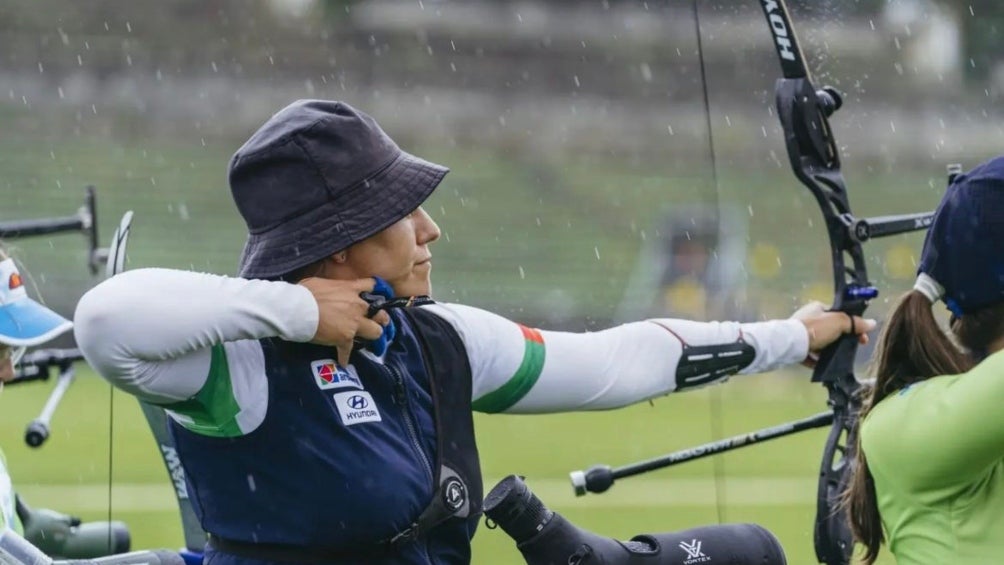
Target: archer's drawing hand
[
  {"x": 342, "y": 314},
  {"x": 826, "y": 327}
]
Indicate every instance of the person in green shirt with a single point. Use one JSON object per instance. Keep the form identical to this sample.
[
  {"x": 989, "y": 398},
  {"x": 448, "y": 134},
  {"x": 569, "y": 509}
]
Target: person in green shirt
[{"x": 929, "y": 479}]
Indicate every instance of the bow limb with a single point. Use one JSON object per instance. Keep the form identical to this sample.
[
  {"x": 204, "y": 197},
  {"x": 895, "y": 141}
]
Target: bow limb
[{"x": 815, "y": 160}]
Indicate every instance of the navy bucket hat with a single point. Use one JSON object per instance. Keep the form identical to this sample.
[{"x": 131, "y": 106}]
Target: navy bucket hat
[
  {"x": 316, "y": 178},
  {"x": 964, "y": 248}
]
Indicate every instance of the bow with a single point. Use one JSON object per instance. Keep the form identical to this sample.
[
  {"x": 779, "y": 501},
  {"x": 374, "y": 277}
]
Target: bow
[
  {"x": 815, "y": 160},
  {"x": 804, "y": 111}
]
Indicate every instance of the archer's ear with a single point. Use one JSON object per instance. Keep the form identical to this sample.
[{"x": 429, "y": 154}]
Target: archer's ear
[{"x": 340, "y": 257}]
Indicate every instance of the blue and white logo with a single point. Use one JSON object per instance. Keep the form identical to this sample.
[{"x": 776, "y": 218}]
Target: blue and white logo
[
  {"x": 356, "y": 407},
  {"x": 328, "y": 374}
]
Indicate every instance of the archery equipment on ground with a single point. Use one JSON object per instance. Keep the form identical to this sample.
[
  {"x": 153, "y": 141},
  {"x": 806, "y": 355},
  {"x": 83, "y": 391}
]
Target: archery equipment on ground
[{"x": 545, "y": 537}]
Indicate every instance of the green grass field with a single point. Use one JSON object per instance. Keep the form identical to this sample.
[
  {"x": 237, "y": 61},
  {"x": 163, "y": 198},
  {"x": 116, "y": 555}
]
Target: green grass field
[{"x": 772, "y": 484}]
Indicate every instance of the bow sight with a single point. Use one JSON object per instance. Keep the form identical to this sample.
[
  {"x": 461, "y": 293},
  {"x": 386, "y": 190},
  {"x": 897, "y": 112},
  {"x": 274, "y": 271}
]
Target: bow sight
[
  {"x": 85, "y": 220},
  {"x": 803, "y": 110}
]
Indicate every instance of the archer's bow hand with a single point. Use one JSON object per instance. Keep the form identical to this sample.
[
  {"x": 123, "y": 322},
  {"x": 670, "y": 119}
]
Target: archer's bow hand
[{"x": 825, "y": 327}]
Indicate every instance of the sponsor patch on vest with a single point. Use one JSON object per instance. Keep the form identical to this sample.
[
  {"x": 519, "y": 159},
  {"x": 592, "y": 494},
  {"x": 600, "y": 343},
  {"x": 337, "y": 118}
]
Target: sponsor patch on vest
[
  {"x": 356, "y": 407},
  {"x": 329, "y": 375}
]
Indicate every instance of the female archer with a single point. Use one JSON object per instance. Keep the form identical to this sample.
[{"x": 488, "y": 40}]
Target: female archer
[
  {"x": 314, "y": 428},
  {"x": 929, "y": 478}
]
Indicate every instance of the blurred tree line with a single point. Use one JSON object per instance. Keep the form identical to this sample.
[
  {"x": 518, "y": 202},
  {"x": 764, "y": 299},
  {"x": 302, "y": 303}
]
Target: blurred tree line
[
  {"x": 207, "y": 21},
  {"x": 981, "y": 21}
]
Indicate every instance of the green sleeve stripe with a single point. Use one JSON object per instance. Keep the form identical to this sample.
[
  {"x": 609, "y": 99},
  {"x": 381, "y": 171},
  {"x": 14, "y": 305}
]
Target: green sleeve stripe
[
  {"x": 522, "y": 381},
  {"x": 213, "y": 410}
]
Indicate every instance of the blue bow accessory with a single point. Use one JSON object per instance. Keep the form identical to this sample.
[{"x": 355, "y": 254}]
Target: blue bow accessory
[{"x": 379, "y": 346}]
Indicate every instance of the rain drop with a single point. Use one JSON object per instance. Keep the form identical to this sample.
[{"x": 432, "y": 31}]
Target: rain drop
[{"x": 646, "y": 72}]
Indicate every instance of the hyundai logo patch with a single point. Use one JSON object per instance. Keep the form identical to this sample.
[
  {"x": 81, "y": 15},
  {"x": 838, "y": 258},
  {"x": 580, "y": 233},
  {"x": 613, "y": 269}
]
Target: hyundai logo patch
[{"x": 355, "y": 407}]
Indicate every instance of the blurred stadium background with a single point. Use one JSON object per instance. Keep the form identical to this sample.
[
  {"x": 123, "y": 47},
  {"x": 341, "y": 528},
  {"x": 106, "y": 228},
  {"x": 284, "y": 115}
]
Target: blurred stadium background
[{"x": 582, "y": 194}]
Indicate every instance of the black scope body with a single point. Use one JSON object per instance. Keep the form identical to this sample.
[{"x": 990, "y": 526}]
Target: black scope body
[{"x": 544, "y": 537}]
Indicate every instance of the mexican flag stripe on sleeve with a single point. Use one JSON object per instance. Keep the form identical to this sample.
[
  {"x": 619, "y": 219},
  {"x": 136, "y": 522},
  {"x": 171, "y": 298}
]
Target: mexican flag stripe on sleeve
[{"x": 522, "y": 381}]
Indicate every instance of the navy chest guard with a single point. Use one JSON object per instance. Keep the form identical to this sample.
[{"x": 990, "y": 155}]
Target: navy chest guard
[{"x": 459, "y": 490}]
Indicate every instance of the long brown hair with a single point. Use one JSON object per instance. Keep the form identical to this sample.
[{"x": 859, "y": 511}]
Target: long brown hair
[{"x": 912, "y": 348}]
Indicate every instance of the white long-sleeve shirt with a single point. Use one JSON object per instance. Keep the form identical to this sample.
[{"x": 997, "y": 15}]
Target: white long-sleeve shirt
[{"x": 152, "y": 332}]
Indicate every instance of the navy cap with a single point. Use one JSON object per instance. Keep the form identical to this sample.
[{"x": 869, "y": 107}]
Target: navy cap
[
  {"x": 964, "y": 248},
  {"x": 316, "y": 178}
]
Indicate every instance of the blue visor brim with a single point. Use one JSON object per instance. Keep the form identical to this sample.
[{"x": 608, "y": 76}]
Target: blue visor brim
[{"x": 26, "y": 323}]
